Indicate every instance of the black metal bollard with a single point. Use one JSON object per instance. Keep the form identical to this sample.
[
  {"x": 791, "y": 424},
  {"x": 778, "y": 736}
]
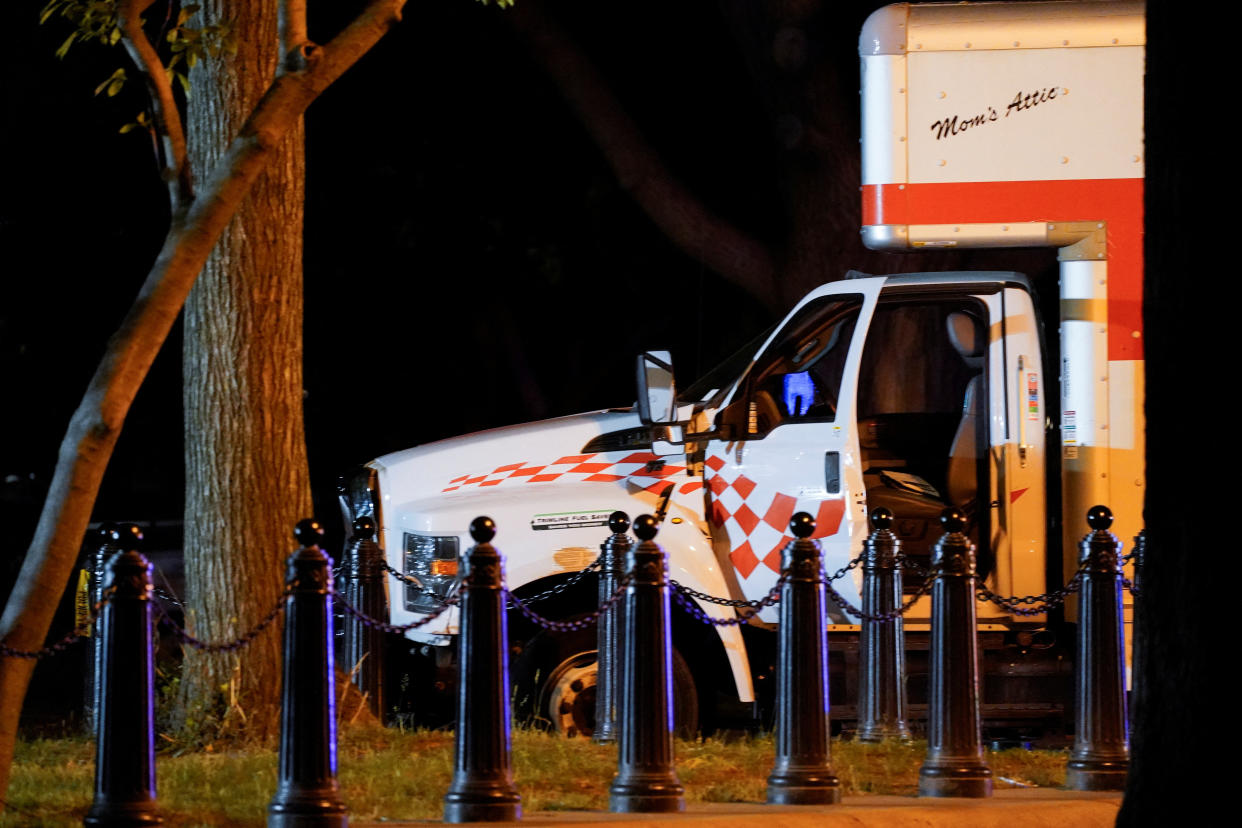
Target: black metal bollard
[
  {"x": 125, "y": 742},
  {"x": 363, "y": 647},
  {"x": 307, "y": 792},
  {"x": 98, "y": 565},
  {"x": 954, "y": 765},
  {"x": 882, "y": 648},
  {"x": 803, "y": 772},
  {"x": 646, "y": 780},
  {"x": 613, "y": 553},
  {"x": 1101, "y": 754},
  {"x": 482, "y": 789}
]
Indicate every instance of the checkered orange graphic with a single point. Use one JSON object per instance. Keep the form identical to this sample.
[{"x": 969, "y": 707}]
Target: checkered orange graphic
[
  {"x": 636, "y": 467},
  {"x": 755, "y": 537},
  {"x": 732, "y": 504}
]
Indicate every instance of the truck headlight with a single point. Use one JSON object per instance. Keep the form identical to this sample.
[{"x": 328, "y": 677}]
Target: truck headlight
[{"x": 432, "y": 560}]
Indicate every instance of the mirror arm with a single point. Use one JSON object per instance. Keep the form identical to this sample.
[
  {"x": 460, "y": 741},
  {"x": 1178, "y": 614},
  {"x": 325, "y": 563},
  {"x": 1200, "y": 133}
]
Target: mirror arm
[{"x": 723, "y": 433}]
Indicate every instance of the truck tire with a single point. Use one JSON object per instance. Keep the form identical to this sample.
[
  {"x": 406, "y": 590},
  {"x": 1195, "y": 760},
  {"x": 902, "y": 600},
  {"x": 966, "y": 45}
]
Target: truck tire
[{"x": 554, "y": 677}]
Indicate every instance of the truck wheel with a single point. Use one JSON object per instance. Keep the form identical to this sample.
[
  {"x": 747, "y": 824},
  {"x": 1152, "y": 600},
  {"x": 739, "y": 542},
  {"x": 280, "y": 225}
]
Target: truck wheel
[{"x": 554, "y": 679}]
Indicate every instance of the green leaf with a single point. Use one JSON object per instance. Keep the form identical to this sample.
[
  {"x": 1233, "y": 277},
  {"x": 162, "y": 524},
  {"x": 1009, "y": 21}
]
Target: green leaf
[
  {"x": 64, "y": 47},
  {"x": 114, "y": 36},
  {"x": 191, "y": 58},
  {"x": 112, "y": 83},
  {"x": 185, "y": 83},
  {"x": 48, "y": 11}
]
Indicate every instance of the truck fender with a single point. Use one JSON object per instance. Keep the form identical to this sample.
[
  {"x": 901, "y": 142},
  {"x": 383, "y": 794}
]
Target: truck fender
[{"x": 692, "y": 563}]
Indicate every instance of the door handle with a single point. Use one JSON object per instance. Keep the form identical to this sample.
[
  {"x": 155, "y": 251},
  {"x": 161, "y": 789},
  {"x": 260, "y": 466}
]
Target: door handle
[{"x": 832, "y": 472}]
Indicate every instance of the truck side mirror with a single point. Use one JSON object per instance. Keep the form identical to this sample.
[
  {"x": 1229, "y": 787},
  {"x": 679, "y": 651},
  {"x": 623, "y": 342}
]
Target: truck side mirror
[{"x": 657, "y": 396}]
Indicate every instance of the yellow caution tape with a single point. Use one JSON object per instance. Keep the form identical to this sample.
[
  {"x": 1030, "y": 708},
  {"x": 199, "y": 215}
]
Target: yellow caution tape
[{"x": 82, "y": 603}]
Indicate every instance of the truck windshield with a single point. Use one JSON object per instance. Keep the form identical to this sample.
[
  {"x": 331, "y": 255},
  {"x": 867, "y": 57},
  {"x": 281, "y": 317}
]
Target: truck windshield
[{"x": 721, "y": 378}]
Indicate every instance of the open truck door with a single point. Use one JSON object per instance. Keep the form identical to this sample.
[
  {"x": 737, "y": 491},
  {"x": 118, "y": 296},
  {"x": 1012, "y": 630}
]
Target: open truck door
[{"x": 789, "y": 444}]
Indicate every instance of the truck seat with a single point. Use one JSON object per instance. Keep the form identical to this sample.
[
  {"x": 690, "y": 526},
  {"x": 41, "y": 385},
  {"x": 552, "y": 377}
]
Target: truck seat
[
  {"x": 962, "y": 477},
  {"x": 963, "y": 474},
  {"x": 916, "y": 505}
]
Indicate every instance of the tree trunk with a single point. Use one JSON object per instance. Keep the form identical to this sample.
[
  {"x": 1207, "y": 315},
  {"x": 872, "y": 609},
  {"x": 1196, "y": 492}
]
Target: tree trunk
[
  {"x": 96, "y": 423},
  {"x": 245, "y": 450},
  {"x": 1182, "y": 700}
]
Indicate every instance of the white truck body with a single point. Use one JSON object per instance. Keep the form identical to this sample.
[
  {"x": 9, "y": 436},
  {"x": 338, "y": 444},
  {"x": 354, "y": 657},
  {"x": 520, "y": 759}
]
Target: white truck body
[
  {"x": 1013, "y": 124},
  {"x": 1020, "y": 125}
]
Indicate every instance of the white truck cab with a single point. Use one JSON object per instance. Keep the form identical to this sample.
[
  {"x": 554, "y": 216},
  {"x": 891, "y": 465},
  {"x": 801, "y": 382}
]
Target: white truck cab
[{"x": 984, "y": 125}]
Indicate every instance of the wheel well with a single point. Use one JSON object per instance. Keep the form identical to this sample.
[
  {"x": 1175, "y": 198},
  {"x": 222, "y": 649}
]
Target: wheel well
[
  {"x": 579, "y": 599},
  {"x": 698, "y": 643}
]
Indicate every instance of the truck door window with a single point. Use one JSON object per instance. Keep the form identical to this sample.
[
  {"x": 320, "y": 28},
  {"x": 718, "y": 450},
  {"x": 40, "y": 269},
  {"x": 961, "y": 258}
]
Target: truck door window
[{"x": 798, "y": 378}]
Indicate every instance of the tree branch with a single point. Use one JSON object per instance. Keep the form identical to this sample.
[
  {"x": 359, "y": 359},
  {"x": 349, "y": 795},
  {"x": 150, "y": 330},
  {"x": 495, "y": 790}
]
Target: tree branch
[
  {"x": 96, "y": 424},
  {"x": 174, "y": 166},
  {"x": 718, "y": 244},
  {"x": 294, "y": 41}
]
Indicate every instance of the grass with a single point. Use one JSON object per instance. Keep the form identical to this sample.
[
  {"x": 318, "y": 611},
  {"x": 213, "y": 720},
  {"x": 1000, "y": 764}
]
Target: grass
[{"x": 396, "y": 775}]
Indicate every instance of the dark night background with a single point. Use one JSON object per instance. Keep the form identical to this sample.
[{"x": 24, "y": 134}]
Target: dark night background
[
  {"x": 471, "y": 262},
  {"x": 470, "y": 259}
]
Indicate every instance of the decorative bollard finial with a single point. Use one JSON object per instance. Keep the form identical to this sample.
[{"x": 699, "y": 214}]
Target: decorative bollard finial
[
  {"x": 1100, "y": 518},
  {"x": 482, "y": 529},
  {"x": 105, "y": 531},
  {"x": 646, "y": 527},
  {"x": 618, "y": 523},
  {"x": 309, "y": 532},
  {"x": 128, "y": 536},
  {"x": 364, "y": 528},
  {"x": 952, "y": 520},
  {"x": 802, "y": 525},
  {"x": 881, "y": 518}
]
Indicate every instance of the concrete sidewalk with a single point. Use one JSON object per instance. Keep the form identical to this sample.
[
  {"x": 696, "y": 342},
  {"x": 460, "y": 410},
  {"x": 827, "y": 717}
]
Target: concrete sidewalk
[{"x": 1028, "y": 808}]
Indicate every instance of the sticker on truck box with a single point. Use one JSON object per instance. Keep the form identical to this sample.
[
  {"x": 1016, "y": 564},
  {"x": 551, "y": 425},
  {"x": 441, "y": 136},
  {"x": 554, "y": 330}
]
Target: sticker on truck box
[
  {"x": 1032, "y": 397},
  {"x": 571, "y": 520},
  {"x": 1069, "y": 434}
]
